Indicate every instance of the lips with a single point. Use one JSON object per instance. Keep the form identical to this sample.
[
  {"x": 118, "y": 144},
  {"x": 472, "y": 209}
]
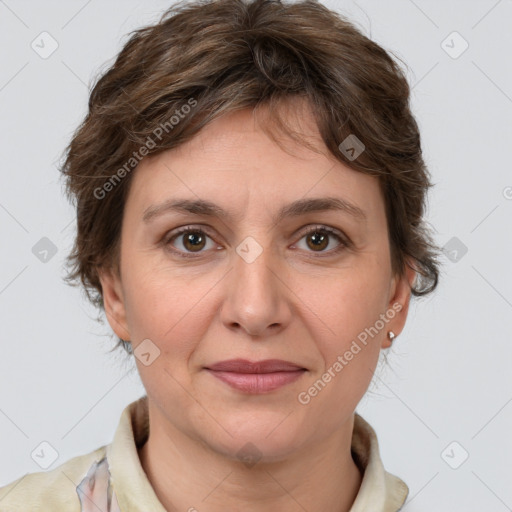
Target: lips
[
  {"x": 256, "y": 377},
  {"x": 244, "y": 366}
]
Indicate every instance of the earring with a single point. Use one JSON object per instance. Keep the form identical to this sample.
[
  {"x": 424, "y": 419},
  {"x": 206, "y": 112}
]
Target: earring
[{"x": 391, "y": 336}]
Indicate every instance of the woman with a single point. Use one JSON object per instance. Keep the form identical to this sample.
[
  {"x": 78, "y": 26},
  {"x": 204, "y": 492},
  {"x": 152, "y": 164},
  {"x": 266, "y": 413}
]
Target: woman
[{"x": 250, "y": 194}]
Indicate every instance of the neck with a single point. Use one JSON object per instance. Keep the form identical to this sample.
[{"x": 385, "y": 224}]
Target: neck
[{"x": 186, "y": 475}]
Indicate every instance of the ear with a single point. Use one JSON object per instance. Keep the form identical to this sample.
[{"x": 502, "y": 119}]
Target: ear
[
  {"x": 400, "y": 296},
  {"x": 113, "y": 302}
]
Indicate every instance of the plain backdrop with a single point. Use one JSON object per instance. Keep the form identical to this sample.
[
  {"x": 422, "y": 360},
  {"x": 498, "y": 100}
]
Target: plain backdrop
[{"x": 442, "y": 406}]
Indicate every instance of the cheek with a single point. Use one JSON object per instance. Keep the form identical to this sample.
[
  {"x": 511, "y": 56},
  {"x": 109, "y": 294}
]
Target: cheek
[
  {"x": 169, "y": 312},
  {"x": 349, "y": 347},
  {"x": 169, "y": 308},
  {"x": 149, "y": 303},
  {"x": 349, "y": 310},
  {"x": 349, "y": 303}
]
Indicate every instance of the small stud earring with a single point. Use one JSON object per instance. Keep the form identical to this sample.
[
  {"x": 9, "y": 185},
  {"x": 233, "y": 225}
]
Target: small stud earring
[{"x": 391, "y": 336}]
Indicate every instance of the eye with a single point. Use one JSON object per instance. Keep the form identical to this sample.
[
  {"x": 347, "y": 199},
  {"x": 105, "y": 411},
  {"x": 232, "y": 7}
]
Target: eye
[
  {"x": 189, "y": 240},
  {"x": 318, "y": 239}
]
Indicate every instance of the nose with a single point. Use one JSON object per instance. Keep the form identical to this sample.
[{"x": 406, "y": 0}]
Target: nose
[{"x": 256, "y": 294}]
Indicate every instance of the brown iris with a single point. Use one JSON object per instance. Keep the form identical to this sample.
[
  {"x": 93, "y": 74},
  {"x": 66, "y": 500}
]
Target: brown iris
[
  {"x": 319, "y": 240},
  {"x": 194, "y": 240}
]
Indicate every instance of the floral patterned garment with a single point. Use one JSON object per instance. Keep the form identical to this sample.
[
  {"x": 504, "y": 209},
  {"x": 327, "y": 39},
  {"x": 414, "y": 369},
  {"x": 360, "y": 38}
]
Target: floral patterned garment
[{"x": 95, "y": 490}]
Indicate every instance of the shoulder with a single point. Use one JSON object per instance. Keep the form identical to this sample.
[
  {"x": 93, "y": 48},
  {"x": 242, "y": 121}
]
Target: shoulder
[{"x": 54, "y": 490}]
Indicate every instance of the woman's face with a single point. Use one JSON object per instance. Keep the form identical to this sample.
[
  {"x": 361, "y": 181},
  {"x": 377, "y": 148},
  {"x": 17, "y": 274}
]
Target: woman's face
[{"x": 248, "y": 282}]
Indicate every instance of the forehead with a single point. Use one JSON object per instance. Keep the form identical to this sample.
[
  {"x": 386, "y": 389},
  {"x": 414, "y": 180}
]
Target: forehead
[{"x": 233, "y": 161}]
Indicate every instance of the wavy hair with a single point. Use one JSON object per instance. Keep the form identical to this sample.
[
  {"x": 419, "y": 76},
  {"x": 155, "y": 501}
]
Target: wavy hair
[{"x": 228, "y": 55}]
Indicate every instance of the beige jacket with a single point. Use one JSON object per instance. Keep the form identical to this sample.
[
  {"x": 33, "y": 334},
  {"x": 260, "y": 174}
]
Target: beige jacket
[{"x": 111, "y": 478}]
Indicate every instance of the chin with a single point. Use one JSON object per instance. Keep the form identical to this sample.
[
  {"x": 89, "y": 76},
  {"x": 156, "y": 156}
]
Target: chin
[{"x": 261, "y": 438}]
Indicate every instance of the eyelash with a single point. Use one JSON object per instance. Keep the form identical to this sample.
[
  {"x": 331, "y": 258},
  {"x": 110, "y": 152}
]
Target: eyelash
[{"x": 344, "y": 243}]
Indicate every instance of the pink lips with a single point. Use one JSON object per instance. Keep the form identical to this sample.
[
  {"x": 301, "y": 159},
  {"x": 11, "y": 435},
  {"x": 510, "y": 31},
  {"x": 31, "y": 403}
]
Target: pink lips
[{"x": 256, "y": 377}]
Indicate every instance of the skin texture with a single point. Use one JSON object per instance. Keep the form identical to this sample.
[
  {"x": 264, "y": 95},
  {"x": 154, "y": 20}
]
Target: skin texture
[{"x": 296, "y": 301}]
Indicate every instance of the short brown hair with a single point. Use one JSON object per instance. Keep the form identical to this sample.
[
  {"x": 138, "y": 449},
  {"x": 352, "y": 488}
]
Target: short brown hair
[{"x": 218, "y": 56}]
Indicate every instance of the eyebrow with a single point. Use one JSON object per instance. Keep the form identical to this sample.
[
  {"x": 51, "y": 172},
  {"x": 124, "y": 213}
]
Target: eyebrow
[{"x": 295, "y": 209}]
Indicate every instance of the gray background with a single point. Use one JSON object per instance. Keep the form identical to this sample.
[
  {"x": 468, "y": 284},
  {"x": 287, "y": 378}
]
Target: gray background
[{"x": 448, "y": 377}]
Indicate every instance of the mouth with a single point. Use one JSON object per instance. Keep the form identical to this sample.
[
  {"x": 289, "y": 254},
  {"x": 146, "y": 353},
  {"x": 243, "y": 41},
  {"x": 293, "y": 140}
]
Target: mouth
[{"x": 256, "y": 377}]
